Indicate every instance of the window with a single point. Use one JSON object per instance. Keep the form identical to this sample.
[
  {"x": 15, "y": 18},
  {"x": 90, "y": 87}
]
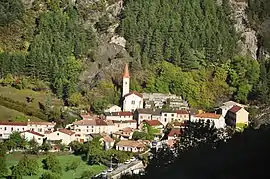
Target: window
[
  {"x": 57, "y": 133},
  {"x": 126, "y": 83},
  {"x": 133, "y": 102},
  {"x": 87, "y": 126},
  {"x": 92, "y": 127},
  {"x": 165, "y": 114},
  {"x": 172, "y": 115},
  {"x": 92, "y": 130},
  {"x": 23, "y": 129},
  {"x": 12, "y": 129},
  {"x": 40, "y": 130},
  {"x": 38, "y": 138},
  {"x": 5, "y": 129},
  {"x": 18, "y": 129},
  {"x": 165, "y": 119}
]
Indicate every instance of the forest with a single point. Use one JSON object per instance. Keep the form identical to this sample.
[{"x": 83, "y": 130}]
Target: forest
[{"x": 183, "y": 47}]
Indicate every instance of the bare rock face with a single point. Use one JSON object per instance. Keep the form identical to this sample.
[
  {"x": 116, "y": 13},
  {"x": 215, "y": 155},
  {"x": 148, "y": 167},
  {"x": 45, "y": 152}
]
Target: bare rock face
[{"x": 248, "y": 42}]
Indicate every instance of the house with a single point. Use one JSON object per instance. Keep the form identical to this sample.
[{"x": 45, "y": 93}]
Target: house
[
  {"x": 143, "y": 114},
  {"x": 156, "y": 115},
  {"x": 124, "y": 134},
  {"x": 94, "y": 125},
  {"x": 125, "y": 115},
  {"x": 64, "y": 136},
  {"x": 106, "y": 141},
  {"x": 173, "y": 136},
  {"x": 236, "y": 115},
  {"x": 217, "y": 119},
  {"x": 228, "y": 105},
  {"x": 130, "y": 146},
  {"x": 7, "y": 127},
  {"x": 131, "y": 100},
  {"x": 182, "y": 115},
  {"x": 40, "y": 127},
  {"x": 167, "y": 116},
  {"x": 32, "y": 135},
  {"x": 113, "y": 108},
  {"x": 123, "y": 124},
  {"x": 153, "y": 123}
]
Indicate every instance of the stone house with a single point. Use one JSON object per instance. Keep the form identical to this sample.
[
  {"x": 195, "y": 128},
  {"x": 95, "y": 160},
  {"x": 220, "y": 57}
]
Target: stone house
[{"x": 113, "y": 108}]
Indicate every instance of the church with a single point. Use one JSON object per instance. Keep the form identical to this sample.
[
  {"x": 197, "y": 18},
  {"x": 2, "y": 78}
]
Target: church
[{"x": 131, "y": 100}]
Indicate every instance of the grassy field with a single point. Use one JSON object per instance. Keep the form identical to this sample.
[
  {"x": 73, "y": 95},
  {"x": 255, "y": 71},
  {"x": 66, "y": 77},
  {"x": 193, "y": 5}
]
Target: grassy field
[
  {"x": 20, "y": 95},
  {"x": 12, "y": 159},
  {"x": 10, "y": 114}
]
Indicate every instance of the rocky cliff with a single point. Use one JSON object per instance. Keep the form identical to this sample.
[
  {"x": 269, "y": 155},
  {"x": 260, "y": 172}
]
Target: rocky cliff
[{"x": 248, "y": 42}]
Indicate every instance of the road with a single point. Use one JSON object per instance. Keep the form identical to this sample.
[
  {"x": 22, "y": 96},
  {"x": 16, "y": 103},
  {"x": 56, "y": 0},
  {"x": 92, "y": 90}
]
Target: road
[{"x": 120, "y": 169}]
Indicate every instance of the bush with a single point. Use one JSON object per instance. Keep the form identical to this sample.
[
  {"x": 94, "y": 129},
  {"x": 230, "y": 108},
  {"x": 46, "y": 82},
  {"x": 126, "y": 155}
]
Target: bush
[{"x": 50, "y": 175}]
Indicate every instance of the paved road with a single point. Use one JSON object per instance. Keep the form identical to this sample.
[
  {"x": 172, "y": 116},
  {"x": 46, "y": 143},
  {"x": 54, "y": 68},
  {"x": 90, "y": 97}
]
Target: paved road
[
  {"x": 120, "y": 168},
  {"x": 123, "y": 167}
]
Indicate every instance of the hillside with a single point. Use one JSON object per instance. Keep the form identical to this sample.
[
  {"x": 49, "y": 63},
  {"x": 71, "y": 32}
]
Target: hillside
[{"x": 201, "y": 50}]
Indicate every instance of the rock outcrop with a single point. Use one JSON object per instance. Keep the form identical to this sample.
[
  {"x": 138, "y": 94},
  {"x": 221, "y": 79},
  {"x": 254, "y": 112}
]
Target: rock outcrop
[{"x": 248, "y": 42}]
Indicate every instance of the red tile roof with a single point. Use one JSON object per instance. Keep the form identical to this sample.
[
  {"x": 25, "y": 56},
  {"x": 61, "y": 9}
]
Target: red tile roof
[
  {"x": 11, "y": 123},
  {"x": 92, "y": 122},
  {"x": 130, "y": 143},
  {"x": 235, "y": 109},
  {"x": 181, "y": 112},
  {"x": 153, "y": 122},
  {"x": 127, "y": 129},
  {"x": 208, "y": 115},
  {"x": 33, "y": 132},
  {"x": 124, "y": 121},
  {"x": 126, "y": 73},
  {"x": 173, "y": 132},
  {"x": 107, "y": 139},
  {"x": 134, "y": 92},
  {"x": 66, "y": 131}
]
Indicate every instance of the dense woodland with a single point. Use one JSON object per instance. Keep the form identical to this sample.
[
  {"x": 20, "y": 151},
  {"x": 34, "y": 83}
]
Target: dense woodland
[{"x": 184, "y": 47}]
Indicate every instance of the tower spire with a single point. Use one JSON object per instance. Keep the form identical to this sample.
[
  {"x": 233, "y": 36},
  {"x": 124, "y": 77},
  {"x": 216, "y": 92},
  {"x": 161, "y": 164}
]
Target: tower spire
[{"x": 126, "y": 72}]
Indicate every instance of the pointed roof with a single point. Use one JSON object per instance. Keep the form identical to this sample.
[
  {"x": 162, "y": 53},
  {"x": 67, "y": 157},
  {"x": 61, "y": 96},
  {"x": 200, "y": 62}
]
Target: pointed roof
[
  {"x": 235, "y": 109},
  {"x": 126, "y": 72}
]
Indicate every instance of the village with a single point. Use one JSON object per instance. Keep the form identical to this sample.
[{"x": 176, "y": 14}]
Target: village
[{"x": 136, "y": 126}]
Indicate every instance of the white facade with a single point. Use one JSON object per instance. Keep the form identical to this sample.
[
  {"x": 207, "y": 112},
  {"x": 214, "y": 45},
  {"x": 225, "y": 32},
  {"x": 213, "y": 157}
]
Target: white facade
[
  {"x": 113, "y": 108},
  {"x": 41, "y": 127},
  {"x": 167, "y": 117},
  {"x": 125, "y": 86},
  {"x": 59, "y": 135},
  {"x": 7, "y": 128},
  {"x": 218, "y": 121},
  {"x": 132, "y": 102},
  {"x": 29, "y": 135},
  {"x": 121, "y": 116}
]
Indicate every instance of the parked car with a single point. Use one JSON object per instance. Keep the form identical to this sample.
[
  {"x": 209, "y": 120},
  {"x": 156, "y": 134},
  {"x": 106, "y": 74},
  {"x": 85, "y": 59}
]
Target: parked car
[
  {"x": 132, "y": 159},
  {"x": 110, "y": 170},
  {"x": 104, "y": 173},
  {"x": 127, "y": 162}
]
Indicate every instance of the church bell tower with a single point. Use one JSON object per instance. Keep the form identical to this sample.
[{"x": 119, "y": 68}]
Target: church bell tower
[{"x": 126, "y": 78}]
